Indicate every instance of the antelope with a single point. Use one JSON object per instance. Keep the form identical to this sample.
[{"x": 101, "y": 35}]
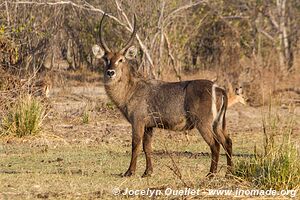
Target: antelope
[
  {"x": 236, "y": 97},
  {"x": 151, "y": 103}
]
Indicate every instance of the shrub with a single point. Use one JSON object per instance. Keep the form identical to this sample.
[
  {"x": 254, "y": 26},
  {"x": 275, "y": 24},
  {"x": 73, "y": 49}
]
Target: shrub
[
  {"x": 278, "y": 166},
  {"x": 24, "y": 118}
]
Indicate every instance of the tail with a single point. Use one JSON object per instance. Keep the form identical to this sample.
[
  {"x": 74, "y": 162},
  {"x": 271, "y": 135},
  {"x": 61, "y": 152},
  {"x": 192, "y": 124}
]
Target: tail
[
  {"x": 219, "y": 116},
  {"x": 223, "y": 109}
]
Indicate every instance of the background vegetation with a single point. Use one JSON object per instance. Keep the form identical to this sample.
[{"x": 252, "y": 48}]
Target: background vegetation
[
  {"x": 243, "y": 41},
  {"x": 205, "y": 34}
]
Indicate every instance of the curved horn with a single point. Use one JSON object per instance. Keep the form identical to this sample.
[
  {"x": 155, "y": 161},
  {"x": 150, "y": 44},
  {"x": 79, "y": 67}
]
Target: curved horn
[
  {"x": 129, "y": 43},
  {"x": 102, "y": 42}
]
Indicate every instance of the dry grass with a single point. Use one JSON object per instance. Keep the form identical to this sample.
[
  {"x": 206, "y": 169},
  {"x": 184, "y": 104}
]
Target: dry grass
[
  {"x": 85, "y": 146},
  {"x": 92, "y": 171},
  {"x": 85, "y": 161},
  {"x": 276, "y": 166}
]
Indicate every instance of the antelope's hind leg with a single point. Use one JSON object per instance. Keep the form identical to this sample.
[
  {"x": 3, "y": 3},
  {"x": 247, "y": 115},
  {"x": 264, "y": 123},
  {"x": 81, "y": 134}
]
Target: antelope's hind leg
[
  {"x": 208, "y": 136},
  {"x": 226, "y": 142}
]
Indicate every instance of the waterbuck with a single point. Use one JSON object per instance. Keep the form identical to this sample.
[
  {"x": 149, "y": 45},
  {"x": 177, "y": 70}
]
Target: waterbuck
[{"x": 148, "y": 103}]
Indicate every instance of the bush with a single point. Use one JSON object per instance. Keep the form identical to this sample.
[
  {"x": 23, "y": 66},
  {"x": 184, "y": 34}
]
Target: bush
[
  {"x": 278, "y": 166},
  {"x": 25, "y": 118},
  {"x": 277, "y": 169}
]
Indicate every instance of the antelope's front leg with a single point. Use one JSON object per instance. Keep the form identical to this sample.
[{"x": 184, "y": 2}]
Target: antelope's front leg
[
  {"x": 147, "y": 140},
  {"x": 137, "y": 135}
]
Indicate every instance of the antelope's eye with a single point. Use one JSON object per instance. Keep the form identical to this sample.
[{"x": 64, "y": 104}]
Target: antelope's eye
[{"x": 121, "y": 60}]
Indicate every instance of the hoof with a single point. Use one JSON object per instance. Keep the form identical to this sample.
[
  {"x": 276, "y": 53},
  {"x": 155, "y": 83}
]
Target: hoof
[
  {"x": 210, "y": 175},
  {"x": 128, "y": 174},
  {"x": 147, "y": 174},
  {"x": 229, "y": 170},
  {"x": 229, "y": 174}
]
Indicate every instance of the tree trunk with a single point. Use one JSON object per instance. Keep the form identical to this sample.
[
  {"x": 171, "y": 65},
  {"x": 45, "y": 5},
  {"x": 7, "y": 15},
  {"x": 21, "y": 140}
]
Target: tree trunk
[{"x": 285, "y": 52}]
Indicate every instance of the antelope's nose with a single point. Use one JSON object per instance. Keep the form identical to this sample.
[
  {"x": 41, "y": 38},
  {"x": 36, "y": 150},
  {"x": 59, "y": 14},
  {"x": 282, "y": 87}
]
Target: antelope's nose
[{"x": 110, "y": 73}]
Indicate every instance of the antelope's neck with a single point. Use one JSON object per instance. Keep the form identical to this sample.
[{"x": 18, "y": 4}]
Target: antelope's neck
[
  {"x": 232, "y": 100},
  {"x": 119, "y": 92}
]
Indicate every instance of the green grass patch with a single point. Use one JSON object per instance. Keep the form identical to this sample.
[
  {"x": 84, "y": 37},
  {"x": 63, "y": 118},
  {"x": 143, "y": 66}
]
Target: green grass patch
[
  {"x": 277, "y": 165},
  {"x": 24, "y": 118},
  {"x": 278, "y": 168}
]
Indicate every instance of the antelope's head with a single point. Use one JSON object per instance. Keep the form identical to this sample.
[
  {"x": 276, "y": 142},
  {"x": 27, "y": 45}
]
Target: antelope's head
[
  {"x": 115, "y": 62},
  {"x": 239, "y": 96}
]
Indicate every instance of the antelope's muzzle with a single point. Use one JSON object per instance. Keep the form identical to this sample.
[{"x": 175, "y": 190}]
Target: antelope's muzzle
[{"x": 111, "y": 73}]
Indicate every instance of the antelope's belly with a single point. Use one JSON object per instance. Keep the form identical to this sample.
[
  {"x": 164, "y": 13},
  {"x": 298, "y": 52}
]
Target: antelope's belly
[{"x": 175, "y": 123}]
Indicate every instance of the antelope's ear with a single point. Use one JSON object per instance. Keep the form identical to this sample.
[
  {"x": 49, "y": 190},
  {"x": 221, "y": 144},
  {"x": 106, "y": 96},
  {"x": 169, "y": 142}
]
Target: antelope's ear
[
  {"x": 97, "y": 51},
  {"x": 131, "y": 53}
]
